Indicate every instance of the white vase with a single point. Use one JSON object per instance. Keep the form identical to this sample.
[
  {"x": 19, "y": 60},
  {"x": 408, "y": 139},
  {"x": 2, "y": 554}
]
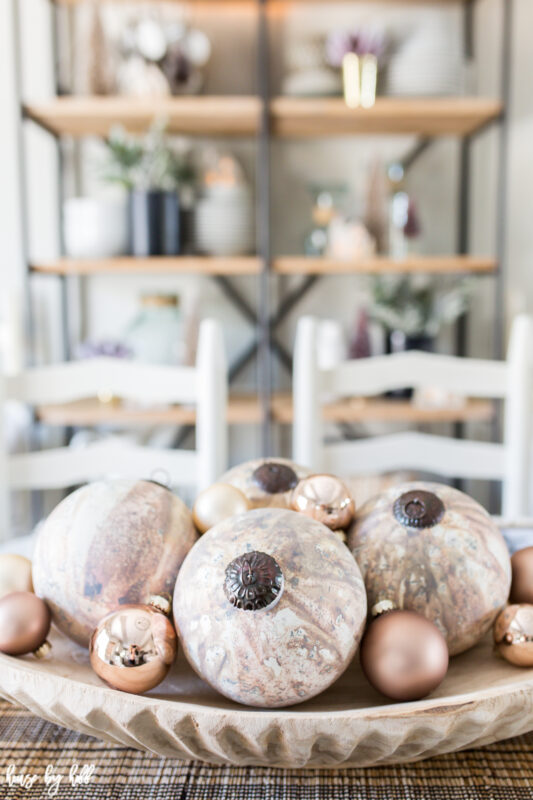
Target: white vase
[{"x": 95, "y": 227}]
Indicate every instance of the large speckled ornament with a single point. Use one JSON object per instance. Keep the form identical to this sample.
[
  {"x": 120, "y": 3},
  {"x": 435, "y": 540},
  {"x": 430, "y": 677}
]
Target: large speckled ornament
[
  {"x": 430, "y": 548},
  {"x": 270, "y": 607},
  {"x": 266, "y": 482},
  {"x": 108, "y": 544}
]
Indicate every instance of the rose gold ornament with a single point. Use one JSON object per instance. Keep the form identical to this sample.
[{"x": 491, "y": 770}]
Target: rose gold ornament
[
  {"x": 522, "y": 580},
  {"x": 513, "y": 634},
  {"x": 132, "y": 649},
  {"x": 217, "y": 503},
  {"x": 403, "y": 655},
  {"x": 326, "y": 499},
  {"x": 15, "y": 574},
  {"x": 24, "y": 624}
]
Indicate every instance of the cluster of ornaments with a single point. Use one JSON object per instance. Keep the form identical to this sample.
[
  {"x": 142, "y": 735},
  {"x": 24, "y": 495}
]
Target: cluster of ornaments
[{"x": 271, "y": 585}]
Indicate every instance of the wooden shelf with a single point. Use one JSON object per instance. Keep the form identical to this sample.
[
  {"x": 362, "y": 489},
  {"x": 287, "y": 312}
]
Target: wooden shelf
[
  {"x": 95, "y": 116},
  {"x": 245, "y": 409},
  {"x": 302, "y": 265},
  {"x": 251, "y": 265},
  {"x": 165, "y": 265},
  {"x": 240, "y": 116},
  {"x": 308, "y": 117}
]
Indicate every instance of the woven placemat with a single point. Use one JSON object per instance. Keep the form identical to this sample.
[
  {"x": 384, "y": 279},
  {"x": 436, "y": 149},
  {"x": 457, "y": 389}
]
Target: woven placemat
[{"x": 40, "y": 752}]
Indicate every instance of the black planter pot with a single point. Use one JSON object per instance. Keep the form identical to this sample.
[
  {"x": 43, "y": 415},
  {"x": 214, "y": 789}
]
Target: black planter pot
[
  {"x": 154, "y": 223},
  {"x": 398, "y": 342}
]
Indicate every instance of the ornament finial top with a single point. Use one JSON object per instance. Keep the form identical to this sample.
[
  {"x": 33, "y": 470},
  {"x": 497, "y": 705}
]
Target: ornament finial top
[
  {"x": 253, "y": 581},
  {"x": 418, "y": 509}
]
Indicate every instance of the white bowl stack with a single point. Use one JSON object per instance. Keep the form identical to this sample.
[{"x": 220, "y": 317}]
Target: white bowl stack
[{"x": 225, "y": 221}]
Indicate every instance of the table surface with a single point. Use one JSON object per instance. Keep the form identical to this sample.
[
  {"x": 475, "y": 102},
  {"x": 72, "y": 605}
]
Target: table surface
[{"x": 29, "y": 746}]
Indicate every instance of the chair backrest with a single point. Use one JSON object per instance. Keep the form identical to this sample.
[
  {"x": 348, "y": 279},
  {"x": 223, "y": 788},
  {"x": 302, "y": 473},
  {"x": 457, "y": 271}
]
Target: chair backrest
[
  {"x": 508, "y": 380},
  {"x": 204, "y": 386}
]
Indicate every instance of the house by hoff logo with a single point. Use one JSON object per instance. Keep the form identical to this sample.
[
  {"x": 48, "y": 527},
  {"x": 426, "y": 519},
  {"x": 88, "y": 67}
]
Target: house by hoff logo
[{"x": 52, "y": 778}]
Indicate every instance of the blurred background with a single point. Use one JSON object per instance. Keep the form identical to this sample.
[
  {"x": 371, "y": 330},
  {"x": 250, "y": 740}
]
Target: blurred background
[{"x": 168, "y": 162}]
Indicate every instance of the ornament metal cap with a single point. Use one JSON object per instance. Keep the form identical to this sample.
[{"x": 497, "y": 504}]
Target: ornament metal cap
[
  {"x": 418, "y": 509},
  {"x": 253, "y": 581},
  {"x": 383, "y": 607},
  {"x": 161, "y": 603},
  {"x": 43, "y": 651}
]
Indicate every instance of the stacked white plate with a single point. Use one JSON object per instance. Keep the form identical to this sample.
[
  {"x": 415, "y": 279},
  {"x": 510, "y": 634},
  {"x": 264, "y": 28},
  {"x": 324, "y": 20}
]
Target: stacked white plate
[{"x": 225, "y": 221}]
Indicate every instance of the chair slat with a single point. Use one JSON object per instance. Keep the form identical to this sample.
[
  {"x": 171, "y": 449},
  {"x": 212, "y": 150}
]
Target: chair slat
[
  {"x": 449, "y": 458},
  {"x": 61, "y": 467},
  {"x": 369, "y": 376},
  {"x": 130, "y": 380}
]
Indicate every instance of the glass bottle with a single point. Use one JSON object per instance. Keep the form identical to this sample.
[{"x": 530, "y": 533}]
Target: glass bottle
[{"x": 156, "y": 333}]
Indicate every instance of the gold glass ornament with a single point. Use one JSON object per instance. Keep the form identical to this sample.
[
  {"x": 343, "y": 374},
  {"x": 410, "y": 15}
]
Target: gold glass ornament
[
  {"x": 217, "y": 503},
  {"x": 132, "y": 649},
  {"x": 15, "y": 574}
]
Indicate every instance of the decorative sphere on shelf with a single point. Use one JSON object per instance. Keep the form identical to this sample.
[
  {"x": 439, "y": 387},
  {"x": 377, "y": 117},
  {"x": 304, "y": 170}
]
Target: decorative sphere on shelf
[
  {"x": 132, "y": 649},
  {"x": 404, "y": 656},
  {"x": 513, "y": 634},
  {"x": 108, "y": 544},
  {"x": 266, "y": 482},
  {"x": 522, "y": 576},
  {"x": 326, "y": 499},
  {"x": 24, "y": 624},
  {"x": 217, "y": 503},
  {"x": 269, "y": 607},
  {"x": 15, "y": 574},
  {"x": 431, "y": 549}
]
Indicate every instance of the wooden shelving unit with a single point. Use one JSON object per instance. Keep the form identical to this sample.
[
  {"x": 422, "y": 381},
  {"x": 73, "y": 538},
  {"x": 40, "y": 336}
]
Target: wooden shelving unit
[
  {"x": 263, "y": 117},
  {"x": 246, "y": 409},
  {"x": 240, "y": 115}
]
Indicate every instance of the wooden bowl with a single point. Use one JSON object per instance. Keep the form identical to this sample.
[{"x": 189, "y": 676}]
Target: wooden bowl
[{"x": 483, "y": 699}]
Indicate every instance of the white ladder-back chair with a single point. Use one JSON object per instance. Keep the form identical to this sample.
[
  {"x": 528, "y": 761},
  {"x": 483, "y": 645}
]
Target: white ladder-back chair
[
  {"x": 204, "y": 386},
  {"x": 451, "y": 458}
]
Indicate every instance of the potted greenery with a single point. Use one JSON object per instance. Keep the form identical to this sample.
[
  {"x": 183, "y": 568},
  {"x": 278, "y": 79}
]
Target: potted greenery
[
  {"x": 153, "y": 173},
  {"x": 412, "y": 309}
]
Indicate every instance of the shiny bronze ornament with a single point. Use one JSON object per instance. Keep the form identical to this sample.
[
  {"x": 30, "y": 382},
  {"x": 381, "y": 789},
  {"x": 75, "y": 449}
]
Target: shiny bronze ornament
[
  {"x": 522, "y": 576},
  {"x": 133, "y": 648},
  {"x": 253, "y": 581},
  {"x": 217, "y": 503},
  {"x": 24, "y": 624},
  {"x": 418, "y": 509},
  {"x": 403, "y": 655},
  {"x": 513, "y": 634},
  {"x": 326, "y": 499},
  {"x": 275, "y": 478}
]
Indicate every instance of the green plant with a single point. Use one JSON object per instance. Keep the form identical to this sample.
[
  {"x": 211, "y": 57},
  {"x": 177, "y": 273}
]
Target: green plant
[
  {"x": 153, "y": 162},
  {"x": 418, "y": 305}
]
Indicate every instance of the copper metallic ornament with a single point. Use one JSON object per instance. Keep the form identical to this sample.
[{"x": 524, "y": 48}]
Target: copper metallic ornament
[
  {"x": 522, "y": 576},
  {"x": 418, "y": 509},
  {"x": 253, "y": 581},
  {"x": 15, "y": 574},
  {"x": 275, "y": 478},
  {"x": 216, "y": 503},
  {"x": 513, "y": 634},
  {"x": 403, "y": 655},
  {"x": 326, "y": 499},
  {"x": 24, "y": 624},
  {"x": 132, "y": 649}
]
